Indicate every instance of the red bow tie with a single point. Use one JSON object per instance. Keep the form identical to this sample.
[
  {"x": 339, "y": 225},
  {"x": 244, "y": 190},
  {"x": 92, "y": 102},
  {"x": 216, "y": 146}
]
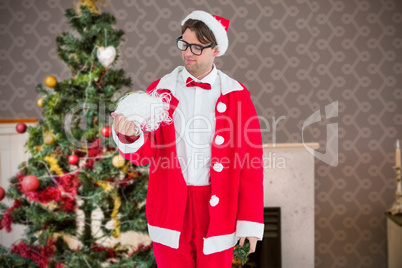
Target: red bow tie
[{"x": 191, "y": 83}]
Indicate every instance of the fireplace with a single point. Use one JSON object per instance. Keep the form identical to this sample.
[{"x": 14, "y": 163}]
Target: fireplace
[
  {"x": 268, "y": 252},
  {"x": 289, "y": 208},
  {"x": 289, "y": 185}
]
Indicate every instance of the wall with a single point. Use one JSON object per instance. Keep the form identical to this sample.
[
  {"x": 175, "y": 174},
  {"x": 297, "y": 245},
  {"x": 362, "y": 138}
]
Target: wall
[{"x": 295, "y": 57}]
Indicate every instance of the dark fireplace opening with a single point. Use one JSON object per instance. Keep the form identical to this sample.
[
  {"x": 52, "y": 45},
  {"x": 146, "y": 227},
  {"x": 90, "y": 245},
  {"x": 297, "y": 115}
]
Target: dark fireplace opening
[{"x": 268, "y": 252}]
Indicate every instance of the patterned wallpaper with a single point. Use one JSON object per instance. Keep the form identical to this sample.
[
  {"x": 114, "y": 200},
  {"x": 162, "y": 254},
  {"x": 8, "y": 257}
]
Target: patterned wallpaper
[{"x": 295, "y": 56}]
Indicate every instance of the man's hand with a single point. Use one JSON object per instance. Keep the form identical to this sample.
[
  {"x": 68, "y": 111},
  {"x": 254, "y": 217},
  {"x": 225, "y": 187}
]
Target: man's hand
[
  {"x": 122, "y": 125},
  {"x": 251, "y": 240}
]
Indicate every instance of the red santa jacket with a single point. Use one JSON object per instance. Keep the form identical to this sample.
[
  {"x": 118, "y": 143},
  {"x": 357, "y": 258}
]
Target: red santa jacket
[{"x": 237, "y": 203}]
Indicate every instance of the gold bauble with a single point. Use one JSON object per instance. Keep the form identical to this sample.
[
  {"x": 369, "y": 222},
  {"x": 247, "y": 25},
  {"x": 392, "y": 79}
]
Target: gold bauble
[
  {"x": 39, "y": 102},
  {"x": 50, "y": 206},
  {"x": 118, "y": 161},
  {"x": 50, "y": 81},
  {"x": 48, "y": 138}
]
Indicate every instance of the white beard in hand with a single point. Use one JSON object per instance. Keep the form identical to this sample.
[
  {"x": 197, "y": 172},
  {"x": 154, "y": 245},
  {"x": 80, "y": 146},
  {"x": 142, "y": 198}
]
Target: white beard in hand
[{"x": 145, "y": 110}]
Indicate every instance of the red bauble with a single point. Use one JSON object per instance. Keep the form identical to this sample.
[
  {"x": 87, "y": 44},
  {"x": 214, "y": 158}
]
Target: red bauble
[
  {"x": 21, "y": 127},
  {"x": 30, "y": 183},
  {"x": 2, "y": 193},
  {"x": 73, "y": 159},
  {"x": 106, "y": 131}
]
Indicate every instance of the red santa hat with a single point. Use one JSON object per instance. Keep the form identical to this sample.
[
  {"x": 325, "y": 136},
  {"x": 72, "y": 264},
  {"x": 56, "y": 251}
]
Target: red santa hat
[{"x": 216, "y": 24}]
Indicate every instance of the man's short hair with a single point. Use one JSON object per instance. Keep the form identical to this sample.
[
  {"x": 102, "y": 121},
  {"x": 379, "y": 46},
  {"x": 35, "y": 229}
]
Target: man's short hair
[{"x": 202, "y": 32}]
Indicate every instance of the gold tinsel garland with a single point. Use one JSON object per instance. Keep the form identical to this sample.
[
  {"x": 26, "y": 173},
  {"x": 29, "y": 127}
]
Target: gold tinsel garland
[
  {"x": 54, "y": 165},
  {"x": 117, "y": 203}
]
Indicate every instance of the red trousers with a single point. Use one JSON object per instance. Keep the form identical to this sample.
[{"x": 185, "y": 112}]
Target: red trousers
[{"x": 195, "y": 227}]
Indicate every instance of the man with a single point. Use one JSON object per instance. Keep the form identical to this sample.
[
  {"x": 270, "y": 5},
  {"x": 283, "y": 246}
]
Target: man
[{"x": 205, "y": 184}]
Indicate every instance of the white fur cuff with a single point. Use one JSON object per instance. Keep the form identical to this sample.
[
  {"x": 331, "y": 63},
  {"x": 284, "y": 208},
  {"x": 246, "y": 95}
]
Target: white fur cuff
[{"x": 249, "y": 229}]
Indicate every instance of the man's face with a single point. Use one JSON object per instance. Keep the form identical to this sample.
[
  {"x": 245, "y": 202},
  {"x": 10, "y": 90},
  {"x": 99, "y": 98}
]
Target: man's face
[{"x": 198, "y": 66}]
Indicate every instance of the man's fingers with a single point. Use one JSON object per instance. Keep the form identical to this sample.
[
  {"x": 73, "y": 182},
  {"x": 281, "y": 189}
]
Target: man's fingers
[
  {"x": 130, "y": 128},
  {"x": 241, "y": 243},
  {"x": 252, "y": 247},
  {"x": 117, "y": 123},
  {"x": 125, "y": 125},
  {"x": 116, "y": 116},
  {"x": 253, "y": 243},
  {"x": 122, "y": 125}
]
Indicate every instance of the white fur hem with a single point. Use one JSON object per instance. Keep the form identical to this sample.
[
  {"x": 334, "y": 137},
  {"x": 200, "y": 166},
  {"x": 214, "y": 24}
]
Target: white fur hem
[
  {"x": 249, "y": 229},
  {"x": 164, "y": 236},
  {"x": 219, "y": 243}
]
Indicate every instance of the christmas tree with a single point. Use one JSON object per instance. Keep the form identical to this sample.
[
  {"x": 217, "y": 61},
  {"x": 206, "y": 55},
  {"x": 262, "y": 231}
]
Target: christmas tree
[{"x": 74, "y": 170}]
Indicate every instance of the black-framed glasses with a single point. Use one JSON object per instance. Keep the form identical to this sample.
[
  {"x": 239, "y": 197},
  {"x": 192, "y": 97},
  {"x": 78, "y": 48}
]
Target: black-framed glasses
[{"x": 195, "y": 49}]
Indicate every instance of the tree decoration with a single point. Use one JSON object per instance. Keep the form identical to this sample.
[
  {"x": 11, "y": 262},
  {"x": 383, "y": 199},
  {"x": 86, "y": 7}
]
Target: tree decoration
[
  {"x": 106, "y": 131},
  {"x": 106, "y": 55},
  {"x": 117, "y": 203},
  {"x": 73, "y": 159},
  {"x": 30, "y": 183},
  {"x": 48, "y": 138},
  {"x": 50, "y": 81},
  {"x": 2, "y": 193},
  {"x": 39, "y": 102},
  {"x": 7, "y": 218},
  {"x": 21, "y": 127},
  {"x": 118, "y": 161},
  {"x": 92, "y": 5},
  {"x": 54, "y": 165},
  {"x": 39, "y": 254}
]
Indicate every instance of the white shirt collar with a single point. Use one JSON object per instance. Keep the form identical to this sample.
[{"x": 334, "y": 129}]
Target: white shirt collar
[
  {"x": 210, "y": 78},
  {"x": 227, "y": 84}
]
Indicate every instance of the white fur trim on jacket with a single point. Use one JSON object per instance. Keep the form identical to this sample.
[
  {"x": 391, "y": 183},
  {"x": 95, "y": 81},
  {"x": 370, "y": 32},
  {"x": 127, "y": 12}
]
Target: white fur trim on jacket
[
  {"x": 249, "y": 229},
  {"x": 214, "y": 25},
  {"x": 164, "y": 236},
  {"x": 219, "y": 243}
]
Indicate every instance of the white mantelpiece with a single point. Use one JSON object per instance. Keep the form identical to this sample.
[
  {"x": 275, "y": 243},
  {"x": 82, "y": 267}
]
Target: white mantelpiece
[
  {"x": 289, "y": 184},
  {"x": 394, "y": 239},
  {"x": 12, "y": 153}
]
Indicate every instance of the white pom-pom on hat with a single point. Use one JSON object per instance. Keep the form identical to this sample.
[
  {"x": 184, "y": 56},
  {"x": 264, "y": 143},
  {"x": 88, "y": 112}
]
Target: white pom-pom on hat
[{"x": 216, "y": 24}]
